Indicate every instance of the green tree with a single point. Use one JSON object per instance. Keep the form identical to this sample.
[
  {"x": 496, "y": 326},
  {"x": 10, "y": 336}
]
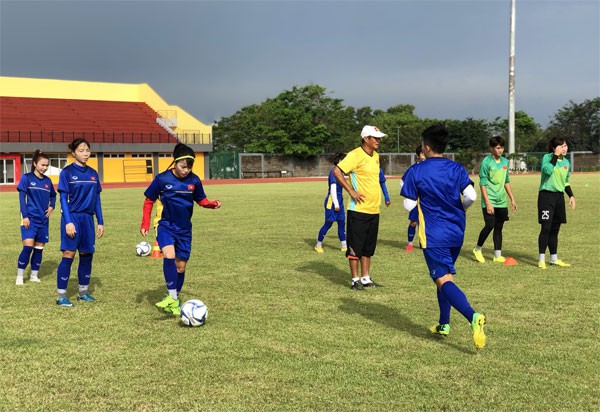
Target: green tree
[
  {"x": 528, "y": 133},
  {"x": 579, "y": 124}
]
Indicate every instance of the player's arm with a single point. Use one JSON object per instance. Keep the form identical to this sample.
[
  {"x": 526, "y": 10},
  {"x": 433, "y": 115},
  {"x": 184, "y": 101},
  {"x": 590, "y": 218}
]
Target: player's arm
[
  {"x": 146, "y": 216},
  {"x": 489, "y": 209},
  {"x": 99, "y": 216},
  {"x": 339, "y": 176},
  {"x": 569, "y": 193},
  {"x": 510, "y": 196},
  {"x": 469, "y": 196},
  {"x": 334, "y": 198},
  {"x": 23, "y": 209},
  {"x": 208, "y": 204}
]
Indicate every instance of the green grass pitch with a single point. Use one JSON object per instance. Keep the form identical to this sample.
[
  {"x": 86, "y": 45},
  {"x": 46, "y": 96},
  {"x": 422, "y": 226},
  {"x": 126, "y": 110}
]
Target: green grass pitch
[{"x": 285, "y": 332}]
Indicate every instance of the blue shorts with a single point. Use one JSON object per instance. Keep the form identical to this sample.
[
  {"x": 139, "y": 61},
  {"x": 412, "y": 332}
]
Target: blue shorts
[
  {"x": 332, "y": 216},
  {"x": 440, "y": 260},
  {"x": 85, "y": 236},
  {"x": 181, "y": 240},
  {"x": 37, "y": 231},
  {"x": 413, "y": 215}
]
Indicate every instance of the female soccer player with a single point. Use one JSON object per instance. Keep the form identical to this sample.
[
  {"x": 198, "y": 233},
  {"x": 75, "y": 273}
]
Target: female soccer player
[
  {"x": 494, "y": 184},
  {"x": 551, "y": 200},
  {"x": 37, "y": 199},
  {"x": 177, "y": 188},
  {"x": 79, "y": 188},
  {"x": 334, "y": 209}
]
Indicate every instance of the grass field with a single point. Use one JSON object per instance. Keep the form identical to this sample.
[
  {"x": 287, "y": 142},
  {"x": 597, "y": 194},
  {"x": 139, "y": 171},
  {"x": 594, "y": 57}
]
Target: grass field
[{"x": 285, "y": 332}]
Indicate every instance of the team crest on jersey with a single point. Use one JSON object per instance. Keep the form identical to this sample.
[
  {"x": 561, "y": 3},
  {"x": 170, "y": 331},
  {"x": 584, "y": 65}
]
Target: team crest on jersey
[
  {"x": 190, "y": 187},
  {"x": 46, "y": 186},
  {"x": 505, "y": 167},
  {"x": 93, "y": 177},
  {"x": 565, "y": 167}
]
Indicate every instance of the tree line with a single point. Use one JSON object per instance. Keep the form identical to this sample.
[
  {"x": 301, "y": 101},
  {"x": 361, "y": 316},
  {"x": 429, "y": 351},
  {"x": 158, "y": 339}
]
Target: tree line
[{"x": 306, "y": 122}]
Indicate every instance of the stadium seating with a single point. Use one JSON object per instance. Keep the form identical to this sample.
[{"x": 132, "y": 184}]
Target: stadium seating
[{"x": 45, "y": 120}]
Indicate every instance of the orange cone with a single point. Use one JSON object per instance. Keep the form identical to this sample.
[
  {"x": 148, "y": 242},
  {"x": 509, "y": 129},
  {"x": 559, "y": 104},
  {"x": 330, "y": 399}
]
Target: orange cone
[
  {"x": 510, "y": 262},
  {"x": 156, "y": 253}
]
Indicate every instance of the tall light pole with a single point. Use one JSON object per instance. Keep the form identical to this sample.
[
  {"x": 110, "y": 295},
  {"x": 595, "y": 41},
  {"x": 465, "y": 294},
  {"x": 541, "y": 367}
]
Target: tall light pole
[{"x": 511, "y": 84}]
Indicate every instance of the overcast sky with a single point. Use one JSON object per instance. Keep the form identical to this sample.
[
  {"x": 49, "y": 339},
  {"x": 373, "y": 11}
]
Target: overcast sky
[{"x": 447, "y": 58}]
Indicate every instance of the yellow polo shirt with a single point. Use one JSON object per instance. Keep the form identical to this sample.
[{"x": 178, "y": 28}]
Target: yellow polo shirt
[{"x": 363, "y": 171}]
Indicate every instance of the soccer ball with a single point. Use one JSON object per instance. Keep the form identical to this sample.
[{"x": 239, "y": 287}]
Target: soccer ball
[
  {"x": 193, "y": 313},
  {"x": 143, "y": 249}
]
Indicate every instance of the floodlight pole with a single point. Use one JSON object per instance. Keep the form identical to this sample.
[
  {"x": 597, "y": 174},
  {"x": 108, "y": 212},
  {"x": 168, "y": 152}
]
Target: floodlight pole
[{"x": 511, "y": 85}]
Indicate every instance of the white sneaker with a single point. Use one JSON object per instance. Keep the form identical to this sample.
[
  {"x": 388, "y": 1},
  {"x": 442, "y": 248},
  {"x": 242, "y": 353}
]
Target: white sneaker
[
  {"x": 19, "y": 280},
  {"x": 34, "y": 279}
]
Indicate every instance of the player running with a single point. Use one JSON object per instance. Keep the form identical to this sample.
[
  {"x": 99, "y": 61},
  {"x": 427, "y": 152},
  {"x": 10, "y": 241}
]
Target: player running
[
  {"x": 435, "y": 187},
  {"x": 37, "y": 199},
  {"x": 177, "y": 188},
  {"x": 79, "y": 188},
  {"x": 494, "y": 184}
]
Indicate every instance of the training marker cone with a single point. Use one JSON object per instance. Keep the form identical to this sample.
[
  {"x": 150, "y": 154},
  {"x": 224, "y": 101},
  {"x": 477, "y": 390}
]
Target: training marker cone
[{"x": 156, "y": 253}]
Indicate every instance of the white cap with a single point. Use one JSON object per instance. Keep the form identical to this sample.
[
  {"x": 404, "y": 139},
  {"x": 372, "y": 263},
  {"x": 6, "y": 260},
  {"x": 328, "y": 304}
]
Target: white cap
[{"x": 372, "y": 131}]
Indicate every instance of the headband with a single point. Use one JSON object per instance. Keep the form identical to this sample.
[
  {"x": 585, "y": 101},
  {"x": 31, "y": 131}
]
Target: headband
[{"x": 184, "y": 157}]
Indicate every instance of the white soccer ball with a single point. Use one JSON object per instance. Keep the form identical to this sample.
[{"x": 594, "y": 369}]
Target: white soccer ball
[
  {"x": 194, "y": 313},
  {"x": 143, "y": 249}
]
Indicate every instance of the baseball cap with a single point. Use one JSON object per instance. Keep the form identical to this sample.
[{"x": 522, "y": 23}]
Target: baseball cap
[{"x": 372, "y": 131}]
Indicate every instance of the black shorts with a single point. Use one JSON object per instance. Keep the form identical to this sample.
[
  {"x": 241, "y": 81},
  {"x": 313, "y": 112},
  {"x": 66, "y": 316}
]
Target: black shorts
[
  {"x": 551, "y": 207},
  {"x": 500, "y": 215},
  {"x": 361, "y": 233}
]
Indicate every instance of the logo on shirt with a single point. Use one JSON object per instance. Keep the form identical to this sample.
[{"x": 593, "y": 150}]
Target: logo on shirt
[
  {"x": 46, "y": 186},
  {"x": 505, "y": 167},
  {"x": 33, "y": 183},
  {"x": 93, "y": 177},
  {"x": 168, "y": 186},
  {"x": 190, "y": 187},
  {"x": 75, "y": 178},
  {"x": 565, "y": 167}
]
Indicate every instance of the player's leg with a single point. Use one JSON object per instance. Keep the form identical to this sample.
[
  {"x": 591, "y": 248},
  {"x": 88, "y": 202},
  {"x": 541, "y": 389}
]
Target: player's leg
[
  {"x": 341, "y": 222},
  {"x": 68, "y": 246},
  {"x": 42, "y": 237},
  {"x": 24, "y": 258},
  {"x": 553, "y": 246},
  {"x": 355, "y": 239},
  {"x": 166, "y": 242},
  {"x": 410, "y": 235},
  {"x": 322, "y": 232},
  {"x": 87, "y": 247},
  {"x": 443, "y": 326},
  {"x": 183, "y": 248},
  {"x": 370, "y": 244},
  {"x": 501, "y": 217},
  {"x": 546, "y": 208},
  {"x": 489, "y": 221}
]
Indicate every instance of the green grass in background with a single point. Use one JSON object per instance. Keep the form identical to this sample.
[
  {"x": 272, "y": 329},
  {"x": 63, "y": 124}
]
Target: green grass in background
[{"x": 285, "y": 332}]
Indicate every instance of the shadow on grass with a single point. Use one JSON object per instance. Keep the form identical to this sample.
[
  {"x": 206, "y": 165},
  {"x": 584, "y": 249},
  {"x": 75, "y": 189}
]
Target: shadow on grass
[
  {"x": 332, "y": 245},
  {"x": 393, "y": 318},
  {"x": 48, "y": 269},
  {"x": 396, "y": 244},
  {"x": 328, "y": 271},
  {"x": 524, "y": 258},
  {"x": 151, "y": 296}
]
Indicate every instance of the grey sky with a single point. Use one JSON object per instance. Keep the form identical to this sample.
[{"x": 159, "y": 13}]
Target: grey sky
[{"x": 447, "y": 58}]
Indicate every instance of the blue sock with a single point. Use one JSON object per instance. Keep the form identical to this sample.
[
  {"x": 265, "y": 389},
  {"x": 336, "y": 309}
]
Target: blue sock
[
  {"x": 63, "y": 273},
  {"x": 84, "y": 270},
  {"x": 324, "y": 229},
  {"x": 411, "y": 233},
  {"x": 36, "y": 259},
  {"x": 170, "y": 272},
  {"x": 341, "y": 230},
  {"x": 180, "y": 280},
  {"x": 24, "y": 257},
  {"x": 458, "y": 300},
  {"x": 444, "y": 308}
]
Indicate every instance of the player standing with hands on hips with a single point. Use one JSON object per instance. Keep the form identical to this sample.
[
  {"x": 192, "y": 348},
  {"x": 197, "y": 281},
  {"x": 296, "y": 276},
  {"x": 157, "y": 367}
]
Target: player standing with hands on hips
[
  {"x": 177, "y": 188},
  {"x": 362, "y": 166},
  {"x": 435, "y": 186},
  {"x": 556, "y": 170},
  {"x": 79, "y": 188},
  {"x": 37, "y": 199}
]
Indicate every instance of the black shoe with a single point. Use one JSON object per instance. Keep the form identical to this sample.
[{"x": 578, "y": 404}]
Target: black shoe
[
  {"x": 356, "y": 286},
  {"x": 371, "y": 284}
]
